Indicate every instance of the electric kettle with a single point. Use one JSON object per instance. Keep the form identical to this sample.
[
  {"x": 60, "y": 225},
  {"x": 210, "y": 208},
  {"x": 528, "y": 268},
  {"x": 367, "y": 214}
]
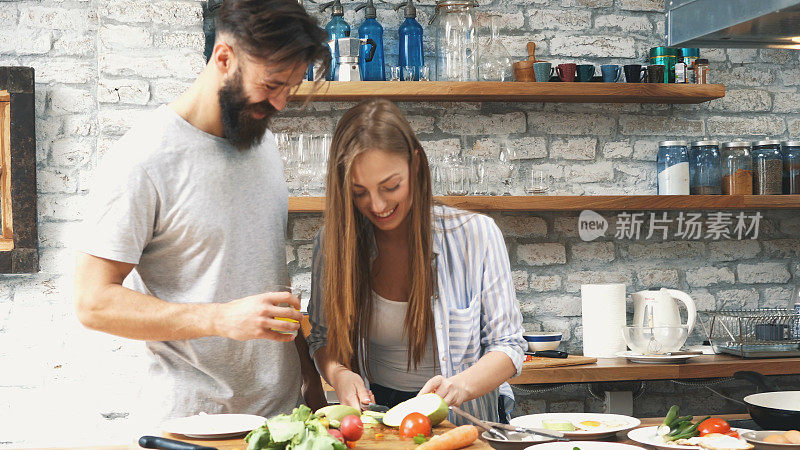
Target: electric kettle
[{"x": 660, "y": 309}]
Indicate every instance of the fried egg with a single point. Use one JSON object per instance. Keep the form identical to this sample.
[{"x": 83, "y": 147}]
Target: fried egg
[{"x": 596, "y": 425}]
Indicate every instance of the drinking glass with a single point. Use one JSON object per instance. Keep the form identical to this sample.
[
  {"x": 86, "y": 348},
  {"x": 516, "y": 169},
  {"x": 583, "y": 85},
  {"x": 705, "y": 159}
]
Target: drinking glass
[
  {"x": 794, "y": 308},
  {"x": 457, "y": 178},
  {"x": 477, "y": 171},
  {"x": 509, "y": 166},
  {"x": 394, "y": 73},
  {"x": 539, "y": 183},
  {"x": 297, "y": 292},
  {"x": 305, "y": 171},
  {"x": 409, "y": 73},
  {"x": 424, "y": 73}
]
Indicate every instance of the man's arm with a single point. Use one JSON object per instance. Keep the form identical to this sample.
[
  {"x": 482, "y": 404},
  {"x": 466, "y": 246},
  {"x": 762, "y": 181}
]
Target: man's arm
[
  {"x": 313, "y": 394},
  {"x": 103, "y": 304}
]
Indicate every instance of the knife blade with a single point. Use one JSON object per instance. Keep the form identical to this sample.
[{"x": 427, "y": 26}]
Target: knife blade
[
  {"x": 169, "y": 444},
  {"x": 377, "y": 408}
]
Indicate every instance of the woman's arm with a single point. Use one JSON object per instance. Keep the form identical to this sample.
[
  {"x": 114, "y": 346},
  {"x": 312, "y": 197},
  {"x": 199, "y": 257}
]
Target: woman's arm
[
  {"x": 501, "y": 340},
  {"x": 349, "y": 386},
  {"x": 492, "y": 370}
]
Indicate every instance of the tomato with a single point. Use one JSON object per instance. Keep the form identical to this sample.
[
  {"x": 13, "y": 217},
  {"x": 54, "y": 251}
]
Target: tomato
[
  {"x": 337, "y": 434},
  {"x": 713, "y": 426},
  {"x": 733, "y": 433},
  {"x": 414, "y": 424},
  {"x": 352, "y": 428}
]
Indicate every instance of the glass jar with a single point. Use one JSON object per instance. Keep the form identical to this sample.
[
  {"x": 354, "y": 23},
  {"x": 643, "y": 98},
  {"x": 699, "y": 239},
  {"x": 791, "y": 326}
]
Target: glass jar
[
  {"x": 705, "y": 168},
  {"x": 791, "y": 167},
  {"x": 672, "y": 164},
  {"x": 737, "y": 168},
  {"x": 456, "y": 40},
  {"x": 495, "y": 59},
  {"x": 767, "y": 167},
  {"x": 701, "y": 72}
]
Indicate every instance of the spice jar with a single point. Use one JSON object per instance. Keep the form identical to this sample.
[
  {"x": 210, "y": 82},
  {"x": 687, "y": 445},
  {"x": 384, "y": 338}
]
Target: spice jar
[
  {"x": 701, "y": 75},
  {"x": 705, "y": 169},
  {"x": 737, "y": 168},
  {"x": 767, "y": 167},
  {"x": 791, "y": 167},
  {"x": 672, "y": 164}
]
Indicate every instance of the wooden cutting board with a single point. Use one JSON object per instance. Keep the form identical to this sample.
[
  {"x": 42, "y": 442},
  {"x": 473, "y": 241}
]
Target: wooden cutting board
[
  {"x": 571, "y": 360},
  {"x": 389, "y": 439}
]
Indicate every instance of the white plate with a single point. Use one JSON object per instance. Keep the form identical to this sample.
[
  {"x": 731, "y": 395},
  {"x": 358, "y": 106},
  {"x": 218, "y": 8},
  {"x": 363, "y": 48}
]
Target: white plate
[
  {"x": 648, "y": 436},
  {"x": 535, "y": 421},
  {"x": 585, "y": 445},
  {"x": 214, "y": 425},
  {"x": 654, "y": 359}
]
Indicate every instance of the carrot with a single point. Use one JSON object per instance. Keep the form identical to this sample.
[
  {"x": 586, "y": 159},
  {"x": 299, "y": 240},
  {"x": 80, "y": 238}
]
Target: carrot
[{"x": 451, "y": 440}]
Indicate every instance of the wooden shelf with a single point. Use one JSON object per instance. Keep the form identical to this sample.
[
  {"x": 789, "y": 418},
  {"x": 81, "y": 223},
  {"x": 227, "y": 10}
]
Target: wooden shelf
[
  {"x": 594, "y": 202},
  {"x": 496, "y": 91},
  {"x": 619, "y": 369}
]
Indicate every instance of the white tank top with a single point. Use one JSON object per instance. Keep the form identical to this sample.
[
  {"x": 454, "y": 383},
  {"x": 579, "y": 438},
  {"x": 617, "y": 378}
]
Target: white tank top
[{"x": 388, "y": 349}]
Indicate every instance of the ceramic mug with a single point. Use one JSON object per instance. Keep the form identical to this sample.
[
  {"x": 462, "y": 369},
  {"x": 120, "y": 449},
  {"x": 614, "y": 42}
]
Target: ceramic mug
[
  {"x": 611, "y": 72},
  {"x": 634, "y": 73},
  {"x": 585, "y": 72},
  {"x": 566, "y": 71},
  {"x": 655, "y": 73},
  {"x": 543, "y": 71}
]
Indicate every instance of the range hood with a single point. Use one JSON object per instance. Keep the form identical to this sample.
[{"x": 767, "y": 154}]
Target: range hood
[{"x": 733, "y": 23}]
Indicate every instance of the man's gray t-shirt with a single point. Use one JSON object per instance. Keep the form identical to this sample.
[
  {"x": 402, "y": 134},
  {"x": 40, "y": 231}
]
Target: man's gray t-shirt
[{"x": 204, "y": 223}]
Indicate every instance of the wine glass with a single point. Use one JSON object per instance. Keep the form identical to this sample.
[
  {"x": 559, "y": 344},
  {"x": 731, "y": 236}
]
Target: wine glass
[{"x": 509, "y": 165}]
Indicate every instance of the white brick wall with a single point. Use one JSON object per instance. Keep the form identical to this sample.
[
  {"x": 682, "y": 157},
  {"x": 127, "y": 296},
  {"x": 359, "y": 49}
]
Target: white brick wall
[{"x": 101, "y": 62}]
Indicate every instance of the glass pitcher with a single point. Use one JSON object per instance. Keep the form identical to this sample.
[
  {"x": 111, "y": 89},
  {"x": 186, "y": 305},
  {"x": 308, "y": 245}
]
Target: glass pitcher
[
  {"x": 495, "y": 59},
  {"x": 456, "y": 38}
]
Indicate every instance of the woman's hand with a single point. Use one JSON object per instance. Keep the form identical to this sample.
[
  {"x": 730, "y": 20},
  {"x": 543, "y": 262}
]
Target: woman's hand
[
  {"x": 453, "y": 390},
  {"x": 350, "y": 389}
]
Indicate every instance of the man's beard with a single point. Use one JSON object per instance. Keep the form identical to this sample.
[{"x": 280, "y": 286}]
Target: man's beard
[{"x": 241, "y": 128}]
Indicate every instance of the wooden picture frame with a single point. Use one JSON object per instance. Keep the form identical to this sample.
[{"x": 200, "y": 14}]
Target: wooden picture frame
[{"x": 19, "y": 241}]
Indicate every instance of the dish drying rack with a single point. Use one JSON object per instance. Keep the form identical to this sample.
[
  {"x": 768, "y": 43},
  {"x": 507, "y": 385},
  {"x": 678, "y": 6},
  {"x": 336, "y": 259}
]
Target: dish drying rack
[{"x": 753, "y": 333}]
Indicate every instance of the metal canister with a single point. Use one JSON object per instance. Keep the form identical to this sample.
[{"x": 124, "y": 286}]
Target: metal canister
[
  {"x": 689, "y": 56},
  {"x": 667, "y": 57}
]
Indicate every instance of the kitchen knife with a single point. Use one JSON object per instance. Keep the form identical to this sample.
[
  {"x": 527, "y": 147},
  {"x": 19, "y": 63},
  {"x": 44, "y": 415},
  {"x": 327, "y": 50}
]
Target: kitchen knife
[
  {"x": 377, "y": 408},
  {"x": 550, "y": 354},
  {"x": 169, "y": 444}
]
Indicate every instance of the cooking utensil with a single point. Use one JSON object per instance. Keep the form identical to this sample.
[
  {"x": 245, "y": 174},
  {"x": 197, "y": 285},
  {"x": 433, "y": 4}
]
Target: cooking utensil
[
  {"x": 654, "y": 340},
  {"x": 169, "y": 444},
  {"x": 660, "y": 309},
  {"x": 523, "y": 70},
  {"x": 550, "y": 354},
  {"x": 502, "y": 426},
  {"x": 485, "y": 426},
  {"x": 772, "y": 410},
  {"x": 377, "y": 408}
]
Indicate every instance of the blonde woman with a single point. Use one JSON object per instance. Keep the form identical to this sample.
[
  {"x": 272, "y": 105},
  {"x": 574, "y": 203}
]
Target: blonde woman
[{"x": 408, "y": 297}]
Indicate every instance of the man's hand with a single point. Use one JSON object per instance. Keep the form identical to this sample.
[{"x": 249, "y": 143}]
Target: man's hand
[
  {"x": 254, "y": 317},
  {"x": 452, "y": 390},
  {"x": 350, "y": 389}
]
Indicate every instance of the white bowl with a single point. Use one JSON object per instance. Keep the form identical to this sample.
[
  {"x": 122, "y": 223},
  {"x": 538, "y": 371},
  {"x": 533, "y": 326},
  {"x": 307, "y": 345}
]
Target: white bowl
[
  {"x": 655, "y": 340},
  {"x": 541, "y": 340}
]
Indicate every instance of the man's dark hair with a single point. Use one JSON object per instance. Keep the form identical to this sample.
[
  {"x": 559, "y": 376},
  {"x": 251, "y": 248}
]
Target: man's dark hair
[{"x": 279, "y": 32}]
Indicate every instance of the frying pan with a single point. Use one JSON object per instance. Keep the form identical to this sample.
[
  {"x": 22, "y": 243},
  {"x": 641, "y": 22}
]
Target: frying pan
[{"x": 774, "y": 409}]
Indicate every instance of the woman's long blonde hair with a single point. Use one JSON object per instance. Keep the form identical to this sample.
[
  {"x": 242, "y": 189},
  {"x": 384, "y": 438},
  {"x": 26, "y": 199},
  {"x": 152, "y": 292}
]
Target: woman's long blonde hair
[{"x": 373, "y": 125}]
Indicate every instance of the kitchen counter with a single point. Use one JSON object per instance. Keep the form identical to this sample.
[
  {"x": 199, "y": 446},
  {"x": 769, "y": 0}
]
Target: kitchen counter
[
  {"x": 619, "y": 369},
  {"x": 390, "y": 440}
]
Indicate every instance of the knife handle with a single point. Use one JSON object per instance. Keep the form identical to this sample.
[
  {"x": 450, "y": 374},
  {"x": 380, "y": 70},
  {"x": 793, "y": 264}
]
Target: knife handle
[
  {"x": 551, "y": 354},
  {"x": 169, "y": 444}
]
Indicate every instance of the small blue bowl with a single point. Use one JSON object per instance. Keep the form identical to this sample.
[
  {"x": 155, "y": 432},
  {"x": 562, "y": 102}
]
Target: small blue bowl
[{"x": 538, "y": 341}]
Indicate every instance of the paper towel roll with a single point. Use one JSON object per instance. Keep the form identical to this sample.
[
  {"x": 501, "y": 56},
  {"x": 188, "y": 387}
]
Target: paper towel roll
[{"x": 603, "y": 316}]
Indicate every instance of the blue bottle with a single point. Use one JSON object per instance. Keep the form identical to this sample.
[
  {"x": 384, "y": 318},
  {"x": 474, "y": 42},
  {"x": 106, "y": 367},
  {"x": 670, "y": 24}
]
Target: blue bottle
[
  {"x": 337, "y": 28},
  {"x": 373, "y": 70},
  {"x": 410, "y": 42}
]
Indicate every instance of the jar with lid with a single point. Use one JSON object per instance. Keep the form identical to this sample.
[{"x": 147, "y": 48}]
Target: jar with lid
[
  {"x": 791, "y": 167},
  {"x": 705, "y": 168},
  {"x": 667, "y": 57},
  {"x": 737, "y": 168},
  {"x": 701, "y": 72},
  {"x": 672, "y": 164},
  {"x": 456, "y": 40},
  {"x": 767, "y": 167}
]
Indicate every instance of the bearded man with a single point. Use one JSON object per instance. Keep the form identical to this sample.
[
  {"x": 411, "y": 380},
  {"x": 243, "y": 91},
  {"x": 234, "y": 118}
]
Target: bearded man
[{"x": 184, "y": 242}]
